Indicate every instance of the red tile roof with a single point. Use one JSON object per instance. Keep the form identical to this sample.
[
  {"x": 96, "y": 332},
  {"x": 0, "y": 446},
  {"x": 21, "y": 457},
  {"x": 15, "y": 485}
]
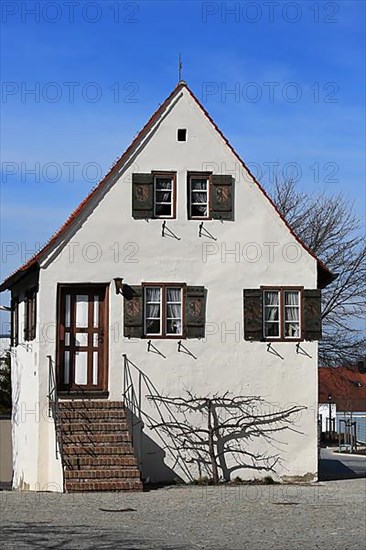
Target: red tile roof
[
  {"x": 346, "y": 385},
  {"x": 325, "y": 276}
]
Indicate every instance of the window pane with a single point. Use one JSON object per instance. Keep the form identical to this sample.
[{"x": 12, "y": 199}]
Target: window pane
[
  {"x": 152, "y": 326},
  {"x": 199, "y": 210},
  {"x": 163, "y": 209},
  {"x": 152, "y": 294},
  {"x": 67, "y": 310},
  {"x": 163, "y": 183},
  {"x": 272, "y": 329},
  {"x": 291, "y": 298},
  {"x": 173, "y": 295},
  {"x": 271, "y": 313},
  {"x": 163, "y": 196},
  {"x": 153, "y": 310},
  {"x": 271, "y": 297},
  {"x": 81, "y": 339},
  {"x": 81, "y": 367},
  {"x": 82, "y": 310},
  {"x": 173, "y": 311},
  {"x": 292, "y": 330},
  {"x": 291, "y": 313},
  {"x": 198, "y": 184},
  {"x": 95, "y": 367},
  {"x": 67, "y": 367},
  {"x": 174, "y": 326},
  {"x": 96, "y": 311}
]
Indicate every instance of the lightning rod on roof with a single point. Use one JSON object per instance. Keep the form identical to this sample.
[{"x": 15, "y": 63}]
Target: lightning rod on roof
[{"x": 180, "y": 65}]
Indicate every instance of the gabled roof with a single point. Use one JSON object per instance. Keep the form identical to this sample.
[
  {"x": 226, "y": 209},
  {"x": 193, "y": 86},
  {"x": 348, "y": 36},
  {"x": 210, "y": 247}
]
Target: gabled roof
[
  {"x": 346, "y": 385},
  {"x": 325, "y": 276}
]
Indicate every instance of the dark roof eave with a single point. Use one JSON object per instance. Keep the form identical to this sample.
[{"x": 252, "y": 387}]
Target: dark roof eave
[
  {"x": 325, "y": 276},
  {"x": 18, "y": 275}
]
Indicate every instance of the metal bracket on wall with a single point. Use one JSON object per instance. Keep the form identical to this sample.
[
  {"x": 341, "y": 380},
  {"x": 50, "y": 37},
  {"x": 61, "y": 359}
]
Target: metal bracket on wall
[
  {"x": 166, "y": 232},
  {"x": 271, "y": 349},
  {"x": 301, "y": 351},
  {"x": 206, "y": 233},
  {"x": 154, "y": 349},
  {"x": 182, "y": 348}
]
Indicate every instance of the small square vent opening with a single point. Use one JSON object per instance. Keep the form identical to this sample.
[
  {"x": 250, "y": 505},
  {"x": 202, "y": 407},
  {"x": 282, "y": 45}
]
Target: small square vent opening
[{"x": 182, "y": 134}]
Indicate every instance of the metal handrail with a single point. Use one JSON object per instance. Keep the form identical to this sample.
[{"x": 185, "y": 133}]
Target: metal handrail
[
  {"x": 53, "y": 406},
  {"x": 133, "y": 402}
]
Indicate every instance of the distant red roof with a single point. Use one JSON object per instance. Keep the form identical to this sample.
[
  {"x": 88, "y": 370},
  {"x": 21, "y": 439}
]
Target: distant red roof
[
  {"x": 325, "y": 276},
  {"x": 346, "y": 385}
]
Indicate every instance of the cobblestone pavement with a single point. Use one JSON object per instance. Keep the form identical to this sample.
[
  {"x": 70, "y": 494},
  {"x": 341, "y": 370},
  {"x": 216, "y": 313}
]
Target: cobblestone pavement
[{"x": 329, "y": 515}]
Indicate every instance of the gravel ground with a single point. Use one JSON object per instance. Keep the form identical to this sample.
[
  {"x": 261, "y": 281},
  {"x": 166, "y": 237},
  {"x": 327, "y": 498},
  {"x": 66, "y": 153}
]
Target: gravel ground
[{"x": 328, "y": 515}]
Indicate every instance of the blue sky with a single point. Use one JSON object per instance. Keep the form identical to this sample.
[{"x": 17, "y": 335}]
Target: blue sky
[{"x": 297, "y": 69}]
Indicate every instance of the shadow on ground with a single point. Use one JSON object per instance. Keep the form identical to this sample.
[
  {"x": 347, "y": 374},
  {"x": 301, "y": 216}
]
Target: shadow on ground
[{"x": 43, "y": 535}]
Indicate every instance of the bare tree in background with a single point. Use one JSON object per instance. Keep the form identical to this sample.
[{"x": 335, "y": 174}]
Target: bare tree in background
[
  {"x": 328, "y": 225},
  {"x": 218, "y": 433}
]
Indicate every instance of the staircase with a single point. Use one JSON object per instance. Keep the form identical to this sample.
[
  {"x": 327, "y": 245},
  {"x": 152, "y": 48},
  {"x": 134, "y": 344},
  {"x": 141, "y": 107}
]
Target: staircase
[{"x": 96, "y": 447}]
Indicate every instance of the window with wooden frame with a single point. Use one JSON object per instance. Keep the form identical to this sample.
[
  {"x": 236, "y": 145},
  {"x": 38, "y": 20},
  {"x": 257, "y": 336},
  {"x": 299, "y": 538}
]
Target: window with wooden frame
[
  {"x": 163, "y": 310},
  {"x": 282, "y": 313},
  {"x": 199, "y": 196},
  {"x": 210, "y": 196},
  {"x": 30, "y": 314},
  {"x": 14, "y": 321},
  {"x": 154, "y": 195},
  {"x": 164, "y": 195}
]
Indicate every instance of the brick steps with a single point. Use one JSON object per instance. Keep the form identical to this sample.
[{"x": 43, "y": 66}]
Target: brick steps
[
  {"x": 110, "y": 485},
  {"x": 93, "y": 415},
  {"x": 96, "y": 438},
  {"x": 84, "y": 475},
  {"x": 93, "y": 427},
  {"x": 97, "y": 448},
  {"x": 88, "y": 405},
  {"x": 114, "y": 461}
]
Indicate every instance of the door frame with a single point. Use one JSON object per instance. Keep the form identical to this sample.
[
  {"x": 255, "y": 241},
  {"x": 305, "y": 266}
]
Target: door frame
[{"x": 62, "y": 388}]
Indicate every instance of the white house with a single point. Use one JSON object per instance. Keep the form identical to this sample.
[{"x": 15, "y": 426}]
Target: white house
[{"x": 176, "y": 274}]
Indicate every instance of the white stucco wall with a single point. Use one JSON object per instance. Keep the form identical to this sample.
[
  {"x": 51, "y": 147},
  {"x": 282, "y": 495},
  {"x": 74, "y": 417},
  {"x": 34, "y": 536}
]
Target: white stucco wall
[{"x": 136, "y": 251}]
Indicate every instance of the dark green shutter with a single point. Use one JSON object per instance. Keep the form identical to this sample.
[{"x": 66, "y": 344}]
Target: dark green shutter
[
  {"x": 253, "y": 314},
  {"x": 312, "y": 315},
  {"x": 142, "y": 196},
  {"x": 133, "y": 311},
  {"x": 195, "y": 312},
  {"x": 14, "y": 321},
  {"x": 222, "y": 197}
]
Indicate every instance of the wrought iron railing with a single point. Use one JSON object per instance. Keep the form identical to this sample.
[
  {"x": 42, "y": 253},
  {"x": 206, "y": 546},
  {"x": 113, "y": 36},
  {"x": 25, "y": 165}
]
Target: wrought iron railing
[
  {"x": 137, "y": 386},
  {"x": 53, "y": 406}
]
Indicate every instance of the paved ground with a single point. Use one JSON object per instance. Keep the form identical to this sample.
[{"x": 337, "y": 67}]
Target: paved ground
[
  {"x": 334, "y": 465},
  {"x": 329, "y": 515}
]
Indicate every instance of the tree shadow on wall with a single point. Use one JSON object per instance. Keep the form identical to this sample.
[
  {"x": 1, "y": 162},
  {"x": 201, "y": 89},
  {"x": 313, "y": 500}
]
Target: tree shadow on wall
[{"x": 216, "y": 434}]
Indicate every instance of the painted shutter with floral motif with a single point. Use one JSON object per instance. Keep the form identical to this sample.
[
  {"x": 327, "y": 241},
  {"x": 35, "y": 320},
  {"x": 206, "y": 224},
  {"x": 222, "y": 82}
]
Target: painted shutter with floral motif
[
  {"x": 222, "y": 197},
  {"x": 133, "y": 311},
  {"x": 142, "y": 196},
  {"x": 195, "y": 312}
]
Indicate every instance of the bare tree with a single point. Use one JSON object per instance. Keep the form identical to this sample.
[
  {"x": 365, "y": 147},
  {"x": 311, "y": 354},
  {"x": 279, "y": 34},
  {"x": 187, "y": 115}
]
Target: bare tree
[
  {"x": 216, "y": 433},
  {"x": 328, "y": 225}
]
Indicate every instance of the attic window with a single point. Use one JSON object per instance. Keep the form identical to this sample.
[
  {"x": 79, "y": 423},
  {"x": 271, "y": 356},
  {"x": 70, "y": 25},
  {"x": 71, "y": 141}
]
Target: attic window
[{"x": 182, "y": 134}]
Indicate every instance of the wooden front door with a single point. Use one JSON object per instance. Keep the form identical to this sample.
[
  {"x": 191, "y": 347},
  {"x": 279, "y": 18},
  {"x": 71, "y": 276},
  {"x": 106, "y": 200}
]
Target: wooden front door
[{"x": 82, "y": 338}]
